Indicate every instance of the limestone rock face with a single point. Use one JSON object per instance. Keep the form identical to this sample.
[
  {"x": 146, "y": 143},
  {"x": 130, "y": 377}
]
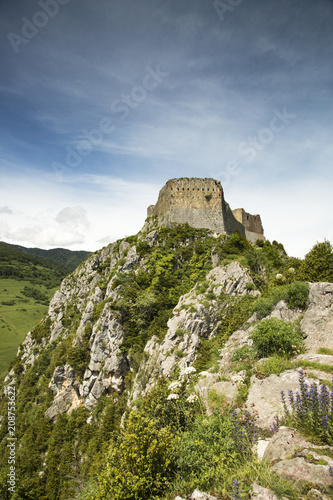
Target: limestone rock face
[
  {"x": 193, "y": 319},
  {"x": 265, "y": 395},
  {"x": 65, "y": 386},
  {"x": 231, "y": 279},
  {"x": 318, "y": 318}
]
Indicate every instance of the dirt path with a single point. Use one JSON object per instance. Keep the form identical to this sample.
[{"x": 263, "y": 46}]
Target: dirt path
[{"x": 9, "y": 322}]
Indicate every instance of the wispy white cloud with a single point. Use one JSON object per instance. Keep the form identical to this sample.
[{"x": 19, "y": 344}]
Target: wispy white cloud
[
  {"x": 226, "y": 79},
  {"x": 6, "y": 210}
]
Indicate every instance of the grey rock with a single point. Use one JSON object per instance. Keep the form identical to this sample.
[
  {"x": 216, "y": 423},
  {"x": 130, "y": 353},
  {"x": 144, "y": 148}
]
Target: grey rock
[
  {"x": 282, "y": 312},
  {"x": 261, "y": 447},
  {"x": 314, "y": 494},
  {"x": 265, "y": 395},
  {"x": 301, "y": 472},
  {"x": 318, "y": 318},
  {"x": 261, "y": 493},
  {"x": 323, "y": 359},
  {"x": 231, "y": 279},
  {"x": 131, "y": 260},
  {"x": 151, "y": 238},
  {"x": 200, "y": 495},
  {"x": 284, "y": 444},
  {"x": 63, "y": 376},
  {"x": 66, "y": 400},
  {"x": 65, "y": 386}
]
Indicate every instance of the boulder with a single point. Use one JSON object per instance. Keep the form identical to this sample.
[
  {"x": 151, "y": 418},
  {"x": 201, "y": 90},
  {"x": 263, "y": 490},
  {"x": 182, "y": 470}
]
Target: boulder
[
  {"x": 284, "y": 444},
  {"x": 261, "y": 493},
  {"x": 265, "y": 395},
  {"x": 281, "y": 311},
  {"x": 302, "y": 472},
  {"x": 317, "y": 322},
  {"x": 200, "y": 495}
]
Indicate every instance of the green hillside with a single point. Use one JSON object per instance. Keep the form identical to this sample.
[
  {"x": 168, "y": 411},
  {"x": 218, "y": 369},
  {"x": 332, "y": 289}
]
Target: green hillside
[
  {"x": 68, "y": 258},
  {"x": 107, "y": 408},
  {"x": 27, "y": 283}
]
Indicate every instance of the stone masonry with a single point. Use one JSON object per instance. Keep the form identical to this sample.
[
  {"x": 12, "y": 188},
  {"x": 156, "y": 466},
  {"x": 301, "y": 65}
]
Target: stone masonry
[{"x": 201, "y": 203}]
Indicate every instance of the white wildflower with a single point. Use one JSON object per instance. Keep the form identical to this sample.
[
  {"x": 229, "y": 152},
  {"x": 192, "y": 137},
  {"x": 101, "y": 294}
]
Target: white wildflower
[
  {"x": 172, "y": 396},
  {"x": 291, "y": 270},
  {"x": 189, "y": 370},
  {"x": 174, "y": 385},
  {"x": 192, "y": 398},
  {"x": 279, "y": 276}
]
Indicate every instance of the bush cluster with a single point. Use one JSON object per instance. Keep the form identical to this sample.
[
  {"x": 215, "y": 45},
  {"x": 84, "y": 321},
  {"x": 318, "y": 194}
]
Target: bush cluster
[
  {"x": 274, "y": 336},
  {"x": 296, "y": 295}
]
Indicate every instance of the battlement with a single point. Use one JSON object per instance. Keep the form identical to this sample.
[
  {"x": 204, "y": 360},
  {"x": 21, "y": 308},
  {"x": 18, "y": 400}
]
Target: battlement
[
  {"x": 252, "y": 224},
  {"x": 201, "y": 203}
]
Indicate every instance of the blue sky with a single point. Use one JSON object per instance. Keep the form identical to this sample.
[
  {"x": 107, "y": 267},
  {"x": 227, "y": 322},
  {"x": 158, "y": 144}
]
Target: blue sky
[{"x": 103, "y": 101}]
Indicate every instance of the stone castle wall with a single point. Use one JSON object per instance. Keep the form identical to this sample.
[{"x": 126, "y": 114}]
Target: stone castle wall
[
  {"x": 252, "y": 224},
  {"x": 200, "y": 203}
]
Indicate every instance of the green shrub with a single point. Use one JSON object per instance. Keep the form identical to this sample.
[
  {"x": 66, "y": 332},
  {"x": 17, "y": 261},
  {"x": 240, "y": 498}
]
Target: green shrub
[
  {"x": 233, "y": 315},
  {"x": 263, "y": 307},
  {"x": 298, "y": 295},
  {"x": 139, "y": 465},
  {"x": 278, "y": 293},
  {"x": 236, "y": 243},
  {"x": 207, "y": 355},
  {"x": 274, "y": 336},
  {"x": 206, "y": 450},
  {"x": 318, "y": 263}
]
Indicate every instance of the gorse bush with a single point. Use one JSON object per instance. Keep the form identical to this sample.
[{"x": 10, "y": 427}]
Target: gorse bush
[
  {"x": 139, "y": 464},
  {"x": 274, "y": 336}
]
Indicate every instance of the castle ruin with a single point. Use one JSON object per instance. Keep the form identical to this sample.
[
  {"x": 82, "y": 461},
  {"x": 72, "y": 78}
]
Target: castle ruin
[{"x": 201, "y": 203}]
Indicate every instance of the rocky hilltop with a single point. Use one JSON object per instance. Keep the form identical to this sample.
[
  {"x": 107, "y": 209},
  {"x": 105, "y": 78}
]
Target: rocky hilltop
[{"x": 156, "y": 333}]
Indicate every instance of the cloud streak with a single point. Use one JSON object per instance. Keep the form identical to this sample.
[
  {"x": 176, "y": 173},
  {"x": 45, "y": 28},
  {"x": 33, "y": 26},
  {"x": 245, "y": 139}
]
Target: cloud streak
[{"x": 88, "y": 64}]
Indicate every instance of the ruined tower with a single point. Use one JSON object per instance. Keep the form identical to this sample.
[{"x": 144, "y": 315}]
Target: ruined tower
[{"x": 201, "y": 203}]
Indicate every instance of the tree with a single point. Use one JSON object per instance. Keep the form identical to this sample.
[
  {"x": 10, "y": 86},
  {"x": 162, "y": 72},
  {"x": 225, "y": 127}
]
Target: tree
[{"x": 318, "y": 263}]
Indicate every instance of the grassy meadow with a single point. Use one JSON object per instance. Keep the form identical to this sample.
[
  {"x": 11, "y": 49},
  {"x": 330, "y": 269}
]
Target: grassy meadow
[{"x": 18, "y": 315}]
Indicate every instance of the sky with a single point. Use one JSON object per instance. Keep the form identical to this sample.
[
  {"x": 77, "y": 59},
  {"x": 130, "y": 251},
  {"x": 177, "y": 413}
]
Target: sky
[{"x": 103, "y": 101}]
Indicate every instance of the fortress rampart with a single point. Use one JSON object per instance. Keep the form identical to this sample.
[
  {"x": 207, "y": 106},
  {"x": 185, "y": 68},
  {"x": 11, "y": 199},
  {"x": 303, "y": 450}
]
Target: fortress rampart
[
  {"x": 201, "y": 203},
  {"x": 252, "y": 224}
]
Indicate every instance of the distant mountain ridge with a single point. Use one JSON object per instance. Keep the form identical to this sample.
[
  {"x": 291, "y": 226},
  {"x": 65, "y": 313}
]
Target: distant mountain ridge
[{"x": 69, "y": 258}]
